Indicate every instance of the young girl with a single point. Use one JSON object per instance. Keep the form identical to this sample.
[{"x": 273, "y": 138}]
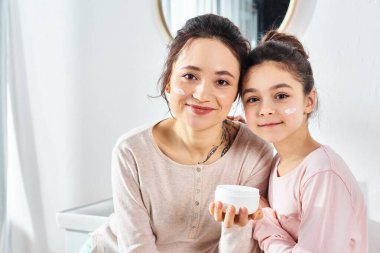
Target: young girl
[{"x": 314, "y": 202}]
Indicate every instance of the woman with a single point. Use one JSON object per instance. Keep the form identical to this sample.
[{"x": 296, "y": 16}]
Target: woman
[
  {"x": 315, "y": 203},
  {"x": 165, "y": 175}
]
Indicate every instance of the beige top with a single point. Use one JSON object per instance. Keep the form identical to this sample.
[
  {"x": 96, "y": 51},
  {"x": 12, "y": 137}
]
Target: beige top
[{"x": 162, "y": 206}]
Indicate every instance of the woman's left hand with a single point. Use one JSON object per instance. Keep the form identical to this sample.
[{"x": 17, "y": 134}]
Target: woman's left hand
[{"x": 237, "y": 118}]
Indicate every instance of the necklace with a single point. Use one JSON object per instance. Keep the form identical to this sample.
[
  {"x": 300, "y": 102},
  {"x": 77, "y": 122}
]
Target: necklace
[{"x": 215, "y": 148}]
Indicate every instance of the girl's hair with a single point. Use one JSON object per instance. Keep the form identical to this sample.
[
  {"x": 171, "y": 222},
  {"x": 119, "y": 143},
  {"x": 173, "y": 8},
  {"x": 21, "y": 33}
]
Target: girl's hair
[
  {"x": 205, "y": 26},
  {"x": 286, "y": 50}
]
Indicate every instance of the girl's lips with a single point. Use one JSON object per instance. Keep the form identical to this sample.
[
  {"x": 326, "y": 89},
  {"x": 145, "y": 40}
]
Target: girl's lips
[
  {"x": 200, "y": 110},
  {"x": 270, "y": 124}
]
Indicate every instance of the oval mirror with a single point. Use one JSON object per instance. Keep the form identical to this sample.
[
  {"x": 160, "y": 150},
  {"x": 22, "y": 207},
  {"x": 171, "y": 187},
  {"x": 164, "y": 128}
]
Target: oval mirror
[{"x": 254, "y": 17}]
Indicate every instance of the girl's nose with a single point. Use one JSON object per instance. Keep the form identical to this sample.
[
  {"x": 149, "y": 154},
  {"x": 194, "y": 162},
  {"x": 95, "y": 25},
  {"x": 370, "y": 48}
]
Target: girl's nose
[{"x": 266, "y": 109}]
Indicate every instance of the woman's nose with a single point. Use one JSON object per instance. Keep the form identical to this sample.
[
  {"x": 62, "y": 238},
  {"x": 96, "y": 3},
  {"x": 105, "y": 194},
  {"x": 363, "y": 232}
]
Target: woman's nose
[{"x": 202, "y": 91}]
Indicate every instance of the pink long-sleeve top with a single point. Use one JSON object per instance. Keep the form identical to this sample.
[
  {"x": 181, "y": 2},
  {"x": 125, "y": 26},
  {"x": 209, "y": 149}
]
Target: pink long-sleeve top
[{"x": 317, "y": 207}]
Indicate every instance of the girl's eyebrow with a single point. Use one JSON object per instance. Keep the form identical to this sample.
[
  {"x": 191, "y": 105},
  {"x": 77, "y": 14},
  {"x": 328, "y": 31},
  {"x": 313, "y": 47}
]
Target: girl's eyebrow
[
  {"x": 281, "y": 85},
  {"x": 274, "y": 87}
]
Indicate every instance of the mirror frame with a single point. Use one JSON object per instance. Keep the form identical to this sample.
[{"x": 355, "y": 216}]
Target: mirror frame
[{"x": 282, "y": 28}]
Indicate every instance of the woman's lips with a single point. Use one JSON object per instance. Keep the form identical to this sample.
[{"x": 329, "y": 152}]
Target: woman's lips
[{"x": 200, "y": 110}]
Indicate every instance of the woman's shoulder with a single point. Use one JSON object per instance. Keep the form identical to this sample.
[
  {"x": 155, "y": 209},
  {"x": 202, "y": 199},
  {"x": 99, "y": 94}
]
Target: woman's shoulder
[
  {"x": 247, "y": 138},
  {"x": 136, "y": 137}
]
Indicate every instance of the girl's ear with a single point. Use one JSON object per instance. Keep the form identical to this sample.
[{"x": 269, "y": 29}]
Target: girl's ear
[{"x": 311, "y": 101}]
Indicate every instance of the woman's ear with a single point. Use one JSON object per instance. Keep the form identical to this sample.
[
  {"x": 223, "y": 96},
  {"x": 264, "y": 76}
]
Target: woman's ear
[
  {"x": 167, "y": 88},
  {"x": 311, "y": 101}
]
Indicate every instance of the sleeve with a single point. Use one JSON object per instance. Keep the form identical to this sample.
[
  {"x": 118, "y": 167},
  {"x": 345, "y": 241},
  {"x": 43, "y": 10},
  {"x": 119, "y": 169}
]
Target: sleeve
[
  {"x": 134, "y": 232},
  {"x": 260, "y": 172},
  {"x": 240, "y": 239},
  {"x": 325, "y": 219}
]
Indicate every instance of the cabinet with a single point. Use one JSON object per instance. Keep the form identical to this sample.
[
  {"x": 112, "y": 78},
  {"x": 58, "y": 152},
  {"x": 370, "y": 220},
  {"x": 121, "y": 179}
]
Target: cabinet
[{"x": 78, "y": 222}]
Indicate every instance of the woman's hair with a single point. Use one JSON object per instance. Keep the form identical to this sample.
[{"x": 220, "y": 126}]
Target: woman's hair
[
  {"x": 286, "y": 50},
  {"x": 205, "y": 26}
]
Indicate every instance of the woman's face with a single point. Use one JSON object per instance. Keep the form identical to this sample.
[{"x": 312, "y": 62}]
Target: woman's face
[
  {"x": 274, "y": 102},
  {"x": 203, "y": 84}
]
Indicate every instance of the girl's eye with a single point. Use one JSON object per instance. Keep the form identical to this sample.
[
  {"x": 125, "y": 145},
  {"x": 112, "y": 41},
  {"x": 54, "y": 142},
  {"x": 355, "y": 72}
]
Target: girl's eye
[
  {"x": 222, "y": 82},
  {"x": 252, "y": 100},
  {"x": 281, "y": 96},
  {"x": 189, "y": 76}
]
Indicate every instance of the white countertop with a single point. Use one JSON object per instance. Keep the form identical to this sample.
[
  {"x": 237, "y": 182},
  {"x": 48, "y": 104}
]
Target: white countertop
[{"x": 85, "y": 218}]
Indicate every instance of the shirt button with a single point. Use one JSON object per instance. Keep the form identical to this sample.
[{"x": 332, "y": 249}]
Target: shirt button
[
  {"x": 197, "y": 190},
  {"x": 196, "y": 203},
  {"x": 199, "y": 169},
  {"x": 193, "y": 227}
]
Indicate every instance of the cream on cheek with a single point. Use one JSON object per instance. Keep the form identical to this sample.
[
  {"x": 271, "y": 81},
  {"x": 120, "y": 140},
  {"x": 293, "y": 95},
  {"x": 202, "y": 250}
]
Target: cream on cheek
[
  {"x": 178, "y": 91},
  {"x": 290, "y": 110}
]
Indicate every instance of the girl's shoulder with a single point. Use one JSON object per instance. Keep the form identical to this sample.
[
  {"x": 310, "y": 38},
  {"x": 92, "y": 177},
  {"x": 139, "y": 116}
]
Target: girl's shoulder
[
  {"x": 325, "y": 161},
  {"x": 322, "y": 159}
]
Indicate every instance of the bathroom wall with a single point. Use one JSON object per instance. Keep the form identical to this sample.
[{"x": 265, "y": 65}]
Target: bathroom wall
[
  {"x": 95, "y": 62},
  {"x": 81, "y": 75}
]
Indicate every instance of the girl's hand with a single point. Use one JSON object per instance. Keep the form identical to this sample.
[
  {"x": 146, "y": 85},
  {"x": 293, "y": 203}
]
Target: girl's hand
[{"x": 228, "y": 218}]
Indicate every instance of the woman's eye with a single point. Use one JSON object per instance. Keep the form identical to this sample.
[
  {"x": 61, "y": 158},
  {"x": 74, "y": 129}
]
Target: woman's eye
[
  {"x": 222, "y": 82},
  {"x": 189, "y": 76},
  {"x": 281, "y": 96},
  {"x": 252, "y": 100}
]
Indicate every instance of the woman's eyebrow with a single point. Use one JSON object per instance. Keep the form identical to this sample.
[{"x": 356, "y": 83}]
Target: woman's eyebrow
[
  {"x": 220, "y": 73},
  {"x": 191, "y": 67},
  {"x": 224, "y": 72}
]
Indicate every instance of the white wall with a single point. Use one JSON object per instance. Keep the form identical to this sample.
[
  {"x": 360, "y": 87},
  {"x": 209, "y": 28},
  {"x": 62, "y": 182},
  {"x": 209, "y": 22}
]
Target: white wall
[
  {"x": 90, "y": 64},
  {"x": 83, "y": 70}
]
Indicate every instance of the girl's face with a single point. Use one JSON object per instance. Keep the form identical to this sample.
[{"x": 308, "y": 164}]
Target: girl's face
[
  {"x": 274, "y": 102},
  {"x": 204, "y": 83}
]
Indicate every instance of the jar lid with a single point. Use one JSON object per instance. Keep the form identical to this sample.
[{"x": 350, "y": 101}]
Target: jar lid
[{"x": 237, "y": 190}]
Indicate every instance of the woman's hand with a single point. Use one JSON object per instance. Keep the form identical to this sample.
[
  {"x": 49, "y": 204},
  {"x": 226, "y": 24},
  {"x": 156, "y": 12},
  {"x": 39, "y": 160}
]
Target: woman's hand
[
  {"x": 229, "y": 217},
  {"x": 237, "y": 118}
]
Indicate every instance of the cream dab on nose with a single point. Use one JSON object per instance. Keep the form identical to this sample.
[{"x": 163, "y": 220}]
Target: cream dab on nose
[
  {"x": 178, "y": 91},
  {"x": 290, "y": 110}
]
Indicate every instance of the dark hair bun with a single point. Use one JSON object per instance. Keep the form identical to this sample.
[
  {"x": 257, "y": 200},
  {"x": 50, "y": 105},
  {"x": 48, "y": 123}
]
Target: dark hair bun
[{"x": 288, "y": 40}]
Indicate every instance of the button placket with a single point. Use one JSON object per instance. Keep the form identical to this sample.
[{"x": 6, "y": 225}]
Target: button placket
[{"x": 197, "y": 200}]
